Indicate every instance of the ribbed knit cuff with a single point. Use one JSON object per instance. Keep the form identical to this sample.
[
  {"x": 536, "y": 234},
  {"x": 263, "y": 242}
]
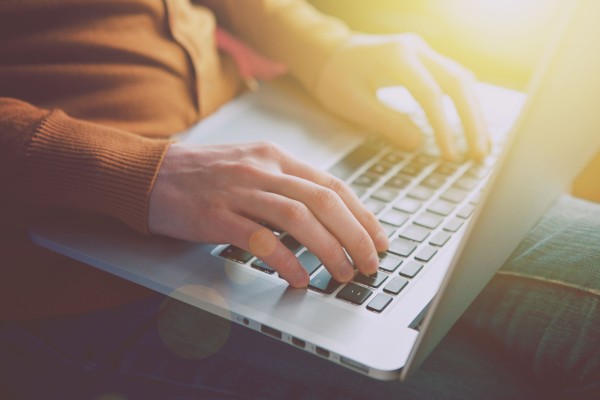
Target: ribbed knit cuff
[{"x": 78, "y": 164}]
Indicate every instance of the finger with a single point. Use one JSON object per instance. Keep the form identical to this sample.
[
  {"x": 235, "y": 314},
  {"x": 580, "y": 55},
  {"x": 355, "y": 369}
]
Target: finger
[
  {"x": 332, "y": 213},
  {"x": 458, "y": 84},
  {"x": 295, "y": 218},
  {"x": 295, "y": 167},
  {"x": 261, "y": 242},
  {"x": 428, "y": 93}
]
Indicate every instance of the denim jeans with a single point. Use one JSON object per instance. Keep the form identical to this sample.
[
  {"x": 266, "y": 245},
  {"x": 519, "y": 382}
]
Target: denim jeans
[{"x": 534, "y": 331}]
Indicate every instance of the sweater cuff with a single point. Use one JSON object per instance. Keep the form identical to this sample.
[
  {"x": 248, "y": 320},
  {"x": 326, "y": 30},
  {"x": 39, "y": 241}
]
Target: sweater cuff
[{"x": 78, "y": 164}]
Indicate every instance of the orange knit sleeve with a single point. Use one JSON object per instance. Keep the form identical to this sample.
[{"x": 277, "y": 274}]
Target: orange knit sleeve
[{"x": 50, "y": 159}]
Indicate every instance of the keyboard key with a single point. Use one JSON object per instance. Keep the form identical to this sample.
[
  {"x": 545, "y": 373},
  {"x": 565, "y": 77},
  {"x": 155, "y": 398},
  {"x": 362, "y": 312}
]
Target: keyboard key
[
  {"x": 354, "y": 293},
  {"x": 323, "y": 282},
  {"x": 453, "y": 225},
  {"x": 446, "y": 169},
  {"x": 466, "y": 211},
  {"x": 236, "y": 254},
  {"x": 466, "y": 183},
  {"x": 402, "y": 247},
  {"x": 426, "y": 253},
  {"x": 309, "y": 261},
  {"x": 349, "y": 164},
  {"x": 373, "y": 281},
  {"x": 379, "y": 303},
  {"x": 412, "y": 169},
  {"x": 365, "y": 180},
  {"x": 393, "y": 217},
  {"x": 408, "y": 205},
  {"x": 395, "y": 285},
  {"x": 388, "y": 262},
  {"x": 454, "y": 195},
  {"x": 411, "y": 268},
  {"x": 388, "y": 229},
  {"x": 440, "y": 239},
  {"x": 434, "y": 181},
  {"x": 428, "y": 220},
  {"x": 425, "y": 159},
  {"x": 379, "y": 169},
  {"x": 414, "y": 232},
  {"x": 358, "y": 190},
  {"x": 475, "y": 199},
  {"x": 276, "y": 231},
  {"x": 261, "y": 266},
  {"x": 393, "y": 158},
  {"x": 478, "y": 171},
  {"x": 291, "y": 243},
  {"x": 398, "y": 182},
  {"x": 375, "y": 206},
  {"x": 421, "y": 193},
  {"x": 386, "y": 194},
  {"x": 441, "y": 207}
]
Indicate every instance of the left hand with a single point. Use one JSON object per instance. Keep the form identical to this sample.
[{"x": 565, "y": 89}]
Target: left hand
[{"x": 349, "y": 80}]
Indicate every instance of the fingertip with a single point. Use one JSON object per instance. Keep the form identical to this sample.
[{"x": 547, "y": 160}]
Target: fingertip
[{"x": 300, "y": 280}]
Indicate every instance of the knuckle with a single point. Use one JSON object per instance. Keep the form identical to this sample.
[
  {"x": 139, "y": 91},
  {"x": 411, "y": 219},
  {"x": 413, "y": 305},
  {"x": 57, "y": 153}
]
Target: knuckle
[
  {"x": 333, "y": 253},
  {"x": 295, "y": 212},
  {"x": 337, "y": 185},
  {"x": 325, "y": 198},
  {"x": 267, "y": 149}
]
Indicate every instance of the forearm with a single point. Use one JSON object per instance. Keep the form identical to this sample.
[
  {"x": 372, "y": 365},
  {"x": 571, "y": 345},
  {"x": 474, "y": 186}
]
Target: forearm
[
  {"x": 290, "y": 31},
  {"x": 587, "y": 184},
  {"x": 56, "y": 160}
]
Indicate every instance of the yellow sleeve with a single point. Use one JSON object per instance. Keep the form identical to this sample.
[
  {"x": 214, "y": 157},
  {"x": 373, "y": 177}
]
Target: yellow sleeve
[{"x": 290, "y": 31}]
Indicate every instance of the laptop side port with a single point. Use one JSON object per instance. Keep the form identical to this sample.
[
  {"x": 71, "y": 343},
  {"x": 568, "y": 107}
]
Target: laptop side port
[
  {"x": 298, "y": 342},
  {"x": 271, "y": 331},
  {"x": 322, "y": 352},
  {"x": 354, "y": 364}
]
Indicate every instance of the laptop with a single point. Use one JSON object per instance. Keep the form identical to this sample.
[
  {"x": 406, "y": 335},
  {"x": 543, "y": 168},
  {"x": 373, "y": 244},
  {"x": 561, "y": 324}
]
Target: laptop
[{"x": 451, "y": 225}]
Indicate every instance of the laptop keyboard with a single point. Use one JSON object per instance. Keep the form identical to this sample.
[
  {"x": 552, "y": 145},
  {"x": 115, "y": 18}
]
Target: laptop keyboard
[{"x": 420, "y": 200}]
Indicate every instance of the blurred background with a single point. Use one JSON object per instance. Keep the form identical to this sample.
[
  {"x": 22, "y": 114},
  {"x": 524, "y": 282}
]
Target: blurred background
[{"x": 500, "y": 40}]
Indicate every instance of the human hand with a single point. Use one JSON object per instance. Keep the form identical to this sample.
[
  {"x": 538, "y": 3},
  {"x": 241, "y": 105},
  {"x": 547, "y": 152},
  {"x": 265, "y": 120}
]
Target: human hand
[
  {"x": 349, "y": 80},
  {"x": 216, "y": 194}
]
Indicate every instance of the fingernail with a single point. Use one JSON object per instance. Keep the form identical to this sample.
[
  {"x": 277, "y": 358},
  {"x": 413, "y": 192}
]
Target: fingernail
[
  {"x": 373, "y": 264},
  {"x": 347, "y": 272},
  {"x": 301, "y": 280},
  {"x": 381, "y": 241}
]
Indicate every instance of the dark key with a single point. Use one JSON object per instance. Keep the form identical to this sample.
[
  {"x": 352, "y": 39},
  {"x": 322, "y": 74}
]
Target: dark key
[
  {"x": 426, "y": 253},
  {"x": 395, "y": 285},
  {"x": 292, "y": 244},
  {"x": 323, "y": 282},
  {"x": 446, "y": 169},
  {"x": 388, "y": 229},
  {"x": 421, "y": 193},
  {"x": 261, "y": 266},
  {"x": 434, "y": 181},
  {"x": 393, "y": 157},
  {"x": 402, "y": 247},
  {"x": 309, "y": 261},
  {"x": 276, "y": 231},
  {"x": 454, "y": 195},
  {"x": 466, "y": 211},
  {"x": 428, "y": 220},
  {"x": 441, "y": 207},
  {"x": 398, "y": 182},
  {"x": 236, "y": 254},
  {"x": 349, "y": 164},
  {"x": 374, "y": 280},
  {"x": 414, "y": 232},
  {"x": 466, "y": 183},
  {"x": 386, "y": 194},
  {"x": 411, "y": 268},
  {"x": 379, "y": 303},
  {"x": 365, "y": 180},
  {"x": 408, "y": 205},
  {"x": 354, "y": 293},
  {"x": 375, "y": 206},
  {"x": 388, "y": 262},
  {"x": 440, "y": 239},
  {"x": 379, "y": 169},
  {"x": 453, "y": 225},
  {"x": 393, "y": 217}
]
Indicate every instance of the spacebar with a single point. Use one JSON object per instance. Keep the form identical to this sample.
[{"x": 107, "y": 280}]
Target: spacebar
[{"x": 349, "y": 164}]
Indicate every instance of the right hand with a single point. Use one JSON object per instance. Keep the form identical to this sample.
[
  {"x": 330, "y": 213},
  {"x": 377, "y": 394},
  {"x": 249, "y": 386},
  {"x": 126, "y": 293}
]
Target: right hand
[{"x": 216, "y": 194}]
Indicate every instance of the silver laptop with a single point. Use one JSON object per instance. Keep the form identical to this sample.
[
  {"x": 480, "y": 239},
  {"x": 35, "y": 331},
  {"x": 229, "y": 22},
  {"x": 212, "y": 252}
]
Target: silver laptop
[{"x": 451, "y": 226}]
